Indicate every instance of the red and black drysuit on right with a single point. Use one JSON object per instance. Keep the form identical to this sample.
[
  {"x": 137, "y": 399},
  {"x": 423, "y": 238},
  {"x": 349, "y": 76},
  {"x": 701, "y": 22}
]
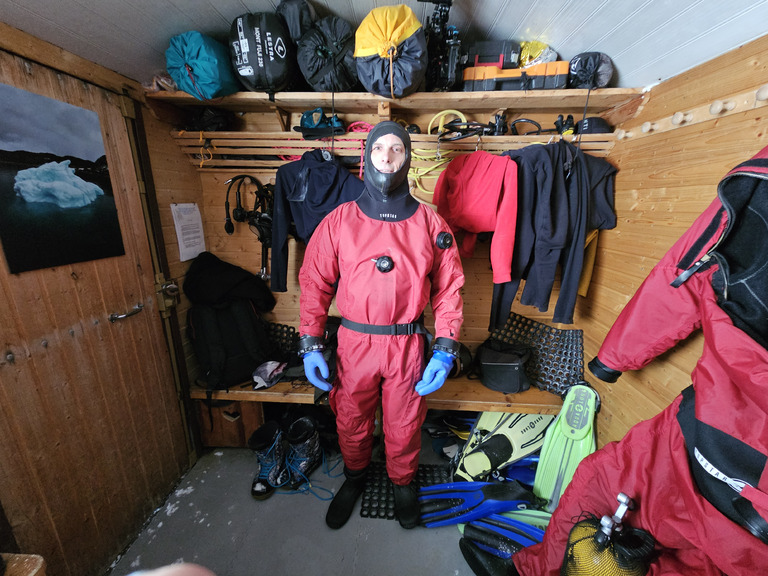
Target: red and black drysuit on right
[{"x": 698, "y": 470}]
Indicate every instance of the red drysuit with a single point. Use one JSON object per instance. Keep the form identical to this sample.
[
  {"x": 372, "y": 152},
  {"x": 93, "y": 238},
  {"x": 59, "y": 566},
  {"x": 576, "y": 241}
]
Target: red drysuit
[
  {"x": 689, "y": 466},
  {"x": 345, "y": 247}
]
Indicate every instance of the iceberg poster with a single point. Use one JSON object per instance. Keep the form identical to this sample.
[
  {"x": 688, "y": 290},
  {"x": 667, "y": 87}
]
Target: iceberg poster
[{"x": 56, "y": 201}]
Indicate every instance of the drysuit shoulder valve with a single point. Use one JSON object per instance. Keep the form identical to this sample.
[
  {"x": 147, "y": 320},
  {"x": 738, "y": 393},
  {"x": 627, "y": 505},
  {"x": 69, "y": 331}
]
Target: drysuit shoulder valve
[{"x": 444, "y": 240}]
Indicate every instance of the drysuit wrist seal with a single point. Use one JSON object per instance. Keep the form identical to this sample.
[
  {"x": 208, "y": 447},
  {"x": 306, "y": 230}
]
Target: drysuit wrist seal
[
  {"x": 309, "y": 344},
  {"x": 446, "y": 345},
  {"x": 602, "y": 371}
]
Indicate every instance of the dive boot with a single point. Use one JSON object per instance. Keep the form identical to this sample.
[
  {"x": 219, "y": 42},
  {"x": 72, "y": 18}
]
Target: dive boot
[
  {"x": 344, "y": 502},
  {"x": 267, "y": 443},
  {"x": 407, "y": 505},
  {"x": 304, "y": 453}
]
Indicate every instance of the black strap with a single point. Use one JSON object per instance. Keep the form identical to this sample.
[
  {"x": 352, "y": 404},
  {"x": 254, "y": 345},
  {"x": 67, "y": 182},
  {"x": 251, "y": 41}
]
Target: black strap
[{"x": 386, "y": 330}]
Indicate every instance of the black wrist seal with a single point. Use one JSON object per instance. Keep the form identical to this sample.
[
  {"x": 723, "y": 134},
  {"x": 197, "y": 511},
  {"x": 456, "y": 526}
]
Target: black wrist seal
[
  {"x": 309, "y": 344},
  {"x": 447, "y": 345}
]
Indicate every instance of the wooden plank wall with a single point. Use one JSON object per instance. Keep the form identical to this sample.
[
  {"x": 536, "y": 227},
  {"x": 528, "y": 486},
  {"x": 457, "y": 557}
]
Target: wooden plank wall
[
  {"x": 174, "y": 183},
  {"x": 666, "y": 178},
  {"x": 243, "y": 248}
]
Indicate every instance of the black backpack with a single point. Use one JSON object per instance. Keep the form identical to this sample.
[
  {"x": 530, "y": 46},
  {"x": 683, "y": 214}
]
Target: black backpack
[
  {"x": 230, "y": 337},
  {"x": 230, "y": 340}
]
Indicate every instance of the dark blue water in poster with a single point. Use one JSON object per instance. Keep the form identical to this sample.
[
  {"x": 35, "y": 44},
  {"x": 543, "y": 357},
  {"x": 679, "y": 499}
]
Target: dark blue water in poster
[{"x": 43, "y": 235}]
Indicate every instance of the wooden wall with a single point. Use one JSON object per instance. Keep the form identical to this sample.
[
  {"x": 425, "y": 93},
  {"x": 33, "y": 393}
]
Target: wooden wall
[{"x": 667, "y": 177}]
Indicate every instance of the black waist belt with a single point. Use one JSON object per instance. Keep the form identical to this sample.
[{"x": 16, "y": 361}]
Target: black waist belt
[{"x": 387, "y": 330}]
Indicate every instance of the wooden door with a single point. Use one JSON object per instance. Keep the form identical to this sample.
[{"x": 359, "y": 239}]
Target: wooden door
[{"x": 91, "y": 429}]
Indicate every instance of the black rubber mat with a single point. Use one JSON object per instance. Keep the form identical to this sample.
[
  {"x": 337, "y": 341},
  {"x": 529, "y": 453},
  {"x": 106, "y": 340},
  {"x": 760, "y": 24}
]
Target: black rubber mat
[
  {"x": 379, "y": 499},
  {"x": 557, "y": 355}
]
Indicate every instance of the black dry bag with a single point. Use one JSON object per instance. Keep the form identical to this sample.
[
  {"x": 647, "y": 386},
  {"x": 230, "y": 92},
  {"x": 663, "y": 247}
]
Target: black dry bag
[{"x": 263, "y": 54}]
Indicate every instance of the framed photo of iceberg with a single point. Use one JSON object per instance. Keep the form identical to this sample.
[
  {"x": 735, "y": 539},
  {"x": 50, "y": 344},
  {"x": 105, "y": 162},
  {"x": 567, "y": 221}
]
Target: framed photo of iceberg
[{"x": 57, "y": 206}]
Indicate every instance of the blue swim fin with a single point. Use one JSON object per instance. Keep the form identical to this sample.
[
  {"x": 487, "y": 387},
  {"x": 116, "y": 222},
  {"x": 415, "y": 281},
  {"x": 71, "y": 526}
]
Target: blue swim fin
[
  {"x": 484, "y": 563},
  {"x": 501, "y": 535},
  {"x": 456, "y": 502},
  {"x": 524, "y": 471},
  {"x": 569, "y": 439}
]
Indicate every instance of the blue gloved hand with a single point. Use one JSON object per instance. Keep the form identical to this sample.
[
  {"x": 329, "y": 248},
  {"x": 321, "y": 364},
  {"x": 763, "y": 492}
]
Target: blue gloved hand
[
  {"x": 316, "y": 370},
  {"x": 435, "y": 373}
]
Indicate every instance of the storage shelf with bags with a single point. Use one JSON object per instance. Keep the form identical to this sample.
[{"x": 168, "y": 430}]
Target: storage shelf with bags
[{"x": 529, "y": 101}]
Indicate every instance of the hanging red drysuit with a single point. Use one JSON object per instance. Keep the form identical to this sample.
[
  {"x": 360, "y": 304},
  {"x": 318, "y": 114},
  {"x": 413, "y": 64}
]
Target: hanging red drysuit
[
  {"x": 697, "y": 470},
  {"x": 341, "y": 260}
]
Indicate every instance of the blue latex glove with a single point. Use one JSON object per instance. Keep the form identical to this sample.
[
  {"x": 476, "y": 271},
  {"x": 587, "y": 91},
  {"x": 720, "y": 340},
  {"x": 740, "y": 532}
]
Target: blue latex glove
[
  {"x": 435, "y": 373},
  {"x": 316, "y": 370}
]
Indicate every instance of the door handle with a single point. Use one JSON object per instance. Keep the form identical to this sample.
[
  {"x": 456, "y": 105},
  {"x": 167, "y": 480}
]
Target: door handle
[
  {"x": 170, "y": 289},
  {"x": 114, "y": 317}
]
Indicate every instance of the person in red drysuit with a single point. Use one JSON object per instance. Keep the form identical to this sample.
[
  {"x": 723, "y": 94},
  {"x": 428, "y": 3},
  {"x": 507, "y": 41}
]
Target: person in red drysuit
[
  {"x": 385, "y": 257},
  {"x": 698, "y": 471}
]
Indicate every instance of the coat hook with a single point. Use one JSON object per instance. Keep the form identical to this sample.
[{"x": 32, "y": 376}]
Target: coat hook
[
  {"x": 623, "y": 134},
  {"x": 649, "y": 127},
  {"x": 681, "y": 118},
  {"x": 762, "y": 93},
  {"x": 719, "y": 106}
]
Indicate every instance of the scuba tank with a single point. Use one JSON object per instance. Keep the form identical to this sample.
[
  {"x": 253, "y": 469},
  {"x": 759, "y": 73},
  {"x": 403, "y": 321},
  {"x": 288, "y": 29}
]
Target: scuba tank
[{"x": 607, "y": 547}]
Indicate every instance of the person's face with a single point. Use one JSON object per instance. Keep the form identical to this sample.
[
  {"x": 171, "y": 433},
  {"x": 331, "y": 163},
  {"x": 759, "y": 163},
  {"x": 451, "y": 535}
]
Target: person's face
[{"x": 388, "y": 153}]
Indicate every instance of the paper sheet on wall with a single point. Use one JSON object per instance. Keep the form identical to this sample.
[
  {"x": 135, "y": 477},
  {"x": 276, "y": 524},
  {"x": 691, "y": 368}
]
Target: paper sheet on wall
[{"x": 189, "y": 230}]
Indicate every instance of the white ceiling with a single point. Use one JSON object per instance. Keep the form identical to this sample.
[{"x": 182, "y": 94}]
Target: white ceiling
[{"x": 648, "y": 40}]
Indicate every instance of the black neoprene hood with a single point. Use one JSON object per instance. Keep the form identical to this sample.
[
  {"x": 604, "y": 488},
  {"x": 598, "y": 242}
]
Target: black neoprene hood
[{"x": 387, "y": 186}]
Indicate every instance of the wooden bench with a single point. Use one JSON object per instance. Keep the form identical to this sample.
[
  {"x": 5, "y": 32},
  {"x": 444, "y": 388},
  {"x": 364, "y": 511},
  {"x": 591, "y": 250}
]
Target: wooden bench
[
  {"x": 24, "y": 565},
  {"x": 456, "y": 394}
]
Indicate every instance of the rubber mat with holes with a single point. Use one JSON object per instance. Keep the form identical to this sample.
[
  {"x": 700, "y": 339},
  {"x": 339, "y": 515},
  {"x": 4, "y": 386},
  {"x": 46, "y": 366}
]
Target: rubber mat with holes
[
  {"x": 557, "y": 354},
  {"x": 378, "y": 497}
]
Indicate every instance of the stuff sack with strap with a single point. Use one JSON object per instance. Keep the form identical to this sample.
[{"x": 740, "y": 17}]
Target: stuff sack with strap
[
  {"x": 325, "y": 56},
  {"x": 200, "y": 66},
  {"x": 230, "y": 340},
  {"x": 263, "y": 54},
  {"x": 391, "y": 52},
  {"x": 299, "y": 15},
  {"x": 590, "y": 70}
]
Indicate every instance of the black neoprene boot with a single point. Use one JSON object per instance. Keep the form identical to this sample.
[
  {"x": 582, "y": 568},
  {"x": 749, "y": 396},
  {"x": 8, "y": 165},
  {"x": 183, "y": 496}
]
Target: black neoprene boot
[
  {"x": 406, "y": 505},
  {"x": 344, "y": 502}
]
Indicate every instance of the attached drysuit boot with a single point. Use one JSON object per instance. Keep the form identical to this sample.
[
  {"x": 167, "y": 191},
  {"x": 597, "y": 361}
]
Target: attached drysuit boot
[
  {"x": 407, "y": 505},
  {"x": 344, "y": 502},
  {"x": 267, "y": 443},
  {"x": 304, "y": 453}
]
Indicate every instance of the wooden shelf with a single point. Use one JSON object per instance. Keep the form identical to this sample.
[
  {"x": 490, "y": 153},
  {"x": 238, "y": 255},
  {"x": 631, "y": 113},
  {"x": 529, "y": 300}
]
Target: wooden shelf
[
  {"x": 456, "y": 394},
  {"x": 366, "y": 103}
]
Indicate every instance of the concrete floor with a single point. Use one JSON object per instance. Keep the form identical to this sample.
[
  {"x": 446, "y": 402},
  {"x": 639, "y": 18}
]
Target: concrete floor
[{"x": 211, "y": 519}]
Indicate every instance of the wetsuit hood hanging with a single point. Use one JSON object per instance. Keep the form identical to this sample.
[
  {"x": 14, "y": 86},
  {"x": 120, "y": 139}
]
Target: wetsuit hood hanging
[{"x": 382, "y": 186}]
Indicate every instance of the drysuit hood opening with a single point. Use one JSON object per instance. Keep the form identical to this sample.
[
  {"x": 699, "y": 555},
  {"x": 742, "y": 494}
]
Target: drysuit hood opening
[{"x": 382, "y": 186}]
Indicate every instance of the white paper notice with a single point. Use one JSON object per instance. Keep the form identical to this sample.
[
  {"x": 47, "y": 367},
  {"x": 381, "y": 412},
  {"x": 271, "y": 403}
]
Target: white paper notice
[{"x": 189, "y": 230}]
